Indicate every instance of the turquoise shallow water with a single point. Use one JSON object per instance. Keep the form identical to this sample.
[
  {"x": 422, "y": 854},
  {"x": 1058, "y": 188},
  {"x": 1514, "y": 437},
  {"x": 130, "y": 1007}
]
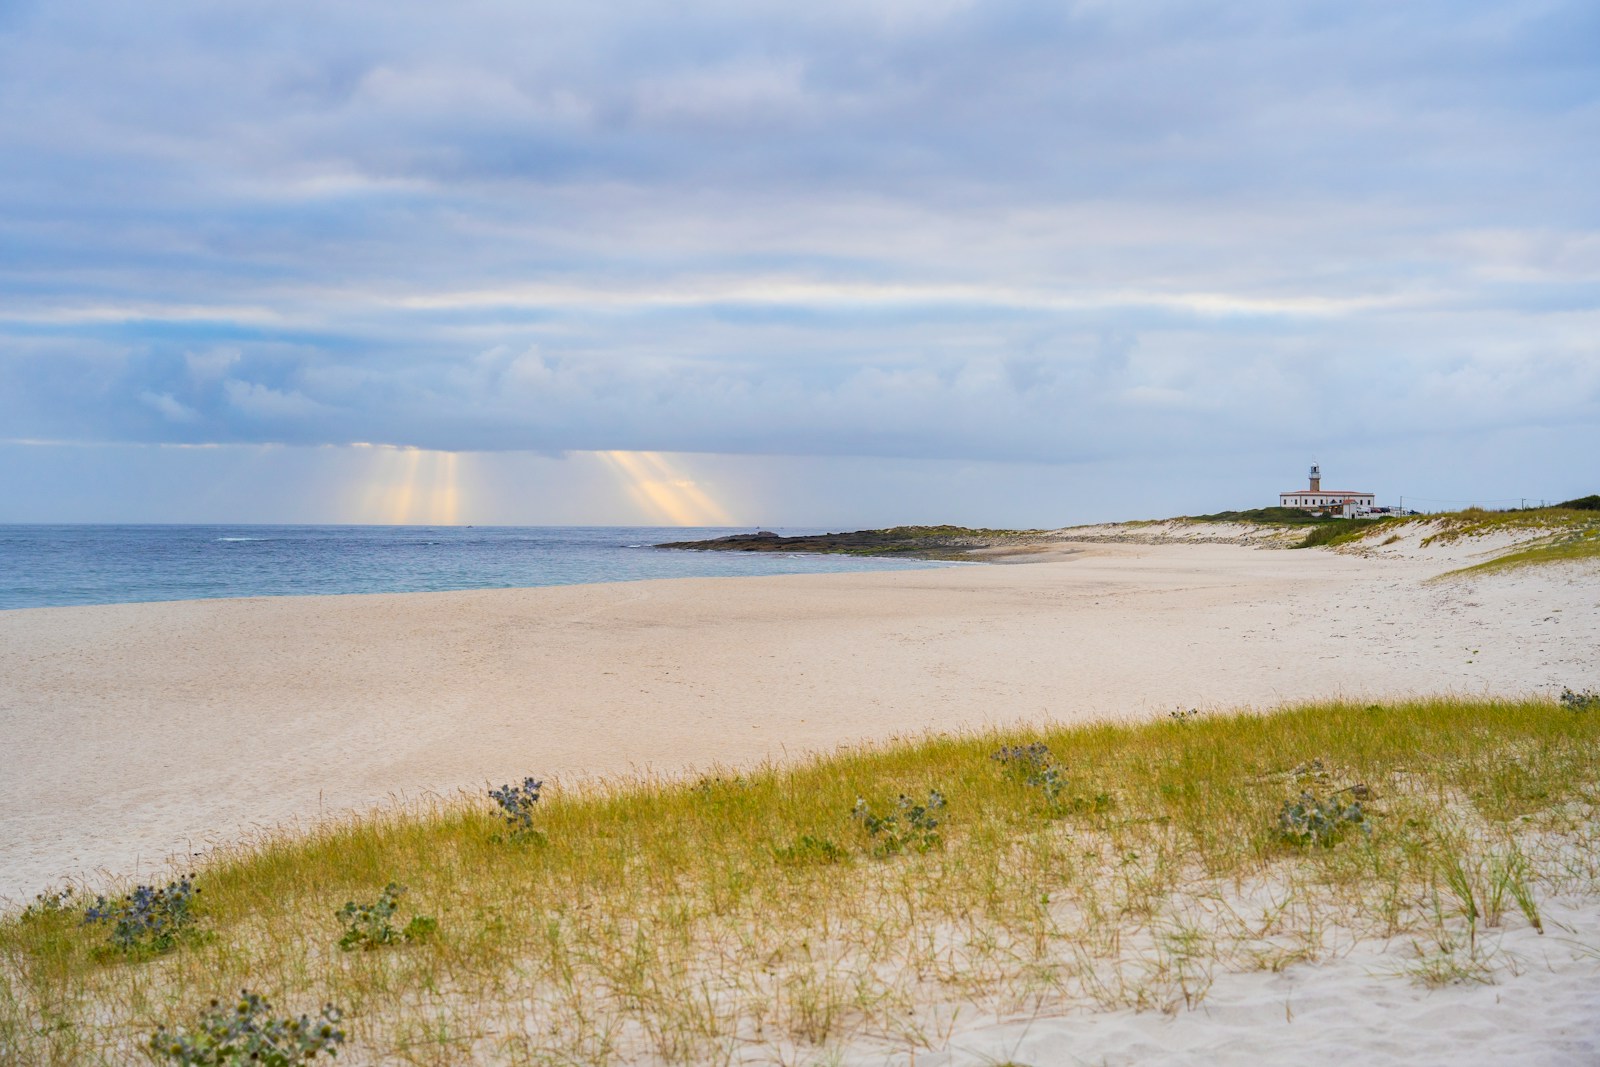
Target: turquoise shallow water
[{"x": 49, "y": 566}]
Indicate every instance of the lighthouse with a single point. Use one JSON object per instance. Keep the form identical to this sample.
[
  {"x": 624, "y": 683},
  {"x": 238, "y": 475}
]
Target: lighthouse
[{"x": 1345, "y": 503}]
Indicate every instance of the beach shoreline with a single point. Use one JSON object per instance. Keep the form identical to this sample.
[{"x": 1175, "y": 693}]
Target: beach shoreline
[{"x": 148, "y": 733}]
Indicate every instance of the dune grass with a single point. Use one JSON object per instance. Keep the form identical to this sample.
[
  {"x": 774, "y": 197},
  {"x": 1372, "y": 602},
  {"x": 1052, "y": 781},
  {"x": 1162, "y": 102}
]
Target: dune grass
[
  {"x": 1347, "y": 531},
  {"x": 1475, "y": 522},
  {"x": 1273, "y": 516},
  {"x": 748, "y": 917},
  {"x": 1567, "y": 532},
  {"x": 1569, "y": 547},
  {"x": 1543, "y": 535}
]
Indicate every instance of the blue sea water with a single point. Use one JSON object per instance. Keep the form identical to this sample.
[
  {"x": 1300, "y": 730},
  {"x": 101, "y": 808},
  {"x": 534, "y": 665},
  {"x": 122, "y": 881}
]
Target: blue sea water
[{"x": 49, "y": 566}]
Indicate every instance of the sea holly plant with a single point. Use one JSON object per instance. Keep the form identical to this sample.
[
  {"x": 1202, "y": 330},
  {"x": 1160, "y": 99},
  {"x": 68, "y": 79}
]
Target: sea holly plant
[
  {"x": 1031, "y": 766},
  {"x": 516, "y": 804},
  {"x": 1585, "y": 701},
  {"x": 1309, "y": 820},
  {"x": 368, "y": 926},
  {"x": 147, "y": 920},
  {"x": 911, "y": 825},
  {"x": 49, "y": 904},
  {"x": 1020, "y": 762},
  {"x": 247, "y": 1033}
]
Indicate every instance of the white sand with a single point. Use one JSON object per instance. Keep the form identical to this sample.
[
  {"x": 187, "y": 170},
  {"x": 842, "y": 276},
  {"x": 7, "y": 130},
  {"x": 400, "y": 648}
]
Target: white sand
[
  {"x": 138, "y": 732},
  {"x": 1543, "y": 1010}
]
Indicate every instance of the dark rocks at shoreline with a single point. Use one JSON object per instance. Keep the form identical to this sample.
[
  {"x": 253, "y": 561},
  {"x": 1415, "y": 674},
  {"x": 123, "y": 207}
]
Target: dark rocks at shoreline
[{"x": 915, "y": 542}]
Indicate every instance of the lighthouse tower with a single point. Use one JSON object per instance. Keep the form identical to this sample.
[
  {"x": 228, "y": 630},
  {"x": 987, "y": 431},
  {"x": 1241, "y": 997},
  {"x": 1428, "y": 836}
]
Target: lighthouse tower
[{"x": 1316, "y": 478}]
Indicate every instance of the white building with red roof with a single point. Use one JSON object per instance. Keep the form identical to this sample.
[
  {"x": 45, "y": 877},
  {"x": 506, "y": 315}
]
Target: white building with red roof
[{"x": 1345, "y": 501}]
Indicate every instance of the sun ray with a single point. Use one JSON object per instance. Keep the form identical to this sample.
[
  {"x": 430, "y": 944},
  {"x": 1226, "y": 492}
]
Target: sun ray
[
  {"x": 709, "y": 512},
  {"x": 406, "y": 491},
  {"x": 409, "y": 486},
  {"x": 662, "y": 492},
  {"x": 447, "y": 497}
]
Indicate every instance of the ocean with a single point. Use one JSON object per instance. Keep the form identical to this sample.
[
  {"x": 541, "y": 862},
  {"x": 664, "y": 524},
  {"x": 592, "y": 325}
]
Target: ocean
[{"x": 56, "y": 566}]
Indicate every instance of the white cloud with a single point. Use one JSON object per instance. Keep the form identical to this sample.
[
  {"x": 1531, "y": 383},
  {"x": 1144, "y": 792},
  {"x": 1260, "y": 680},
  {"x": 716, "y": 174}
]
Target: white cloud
[
  {"x": 262, "y": 402},
  {"x": 211, "y": 364},
  {"x": 168, "y": 406}
]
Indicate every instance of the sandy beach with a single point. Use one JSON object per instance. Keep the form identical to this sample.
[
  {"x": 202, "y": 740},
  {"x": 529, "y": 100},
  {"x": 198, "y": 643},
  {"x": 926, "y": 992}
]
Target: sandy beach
[
  {"x": 140, "y": 735},
  {"x": 137, "y": 734}
]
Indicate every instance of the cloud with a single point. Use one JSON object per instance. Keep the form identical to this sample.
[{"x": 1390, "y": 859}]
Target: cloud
[
  {"x": 1005, "y": 230},
  {"x": 268, "y": 404},
  {"x": 211, "y": 364},
  {"x": 168, "y": 406}
]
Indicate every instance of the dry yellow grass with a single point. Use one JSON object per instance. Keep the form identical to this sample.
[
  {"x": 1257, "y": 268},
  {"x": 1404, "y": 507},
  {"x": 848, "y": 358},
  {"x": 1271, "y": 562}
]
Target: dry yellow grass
[{"x": 747, "y": 917}]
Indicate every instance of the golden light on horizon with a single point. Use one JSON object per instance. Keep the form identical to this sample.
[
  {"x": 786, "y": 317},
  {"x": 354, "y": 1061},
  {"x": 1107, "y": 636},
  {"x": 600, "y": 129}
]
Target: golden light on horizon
[
  {"x": 412, "y": 486},
  {"x": 663, "y": 492}
]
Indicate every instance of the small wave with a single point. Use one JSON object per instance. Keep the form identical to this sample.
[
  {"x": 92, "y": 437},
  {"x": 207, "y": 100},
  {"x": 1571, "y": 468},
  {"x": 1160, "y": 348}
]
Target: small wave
[{"x": 244, "y": 539}]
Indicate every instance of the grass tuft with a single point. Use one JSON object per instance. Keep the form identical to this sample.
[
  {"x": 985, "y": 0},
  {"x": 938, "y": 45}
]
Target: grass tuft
[{"x": 1345, "y": 532}]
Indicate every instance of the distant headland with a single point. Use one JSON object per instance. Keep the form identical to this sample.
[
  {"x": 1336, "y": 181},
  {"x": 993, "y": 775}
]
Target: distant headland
[
  {"x": 1567, "y": 530},
  {"x": 911, "y": 542}
]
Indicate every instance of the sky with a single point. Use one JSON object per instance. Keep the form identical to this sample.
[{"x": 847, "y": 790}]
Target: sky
[{"x": 836, "y": 263}]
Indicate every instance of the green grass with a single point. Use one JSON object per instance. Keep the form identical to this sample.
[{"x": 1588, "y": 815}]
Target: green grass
[
  {"x": 1562, "y": 548},
  {"x": 1549, "y": 535},
  {"x": 1347, "y": 531},
  {"x": 1573, "y": 515},
  {"x": 951, "y": 531},
  {"x": 1269, "y": 517},
  {"x": 1475, "y": 522},
  {"x": 914, "y": 542},
  {"x": 689, "y": 922}
]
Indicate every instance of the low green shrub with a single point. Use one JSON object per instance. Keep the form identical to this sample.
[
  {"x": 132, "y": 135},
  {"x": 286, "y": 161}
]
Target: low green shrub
[
  {"x": 809, "y": 851},
  {"x": 1310, "y": 820},
  {"x": 911, "y": 825},
  {"x": 368, "y": 926}
]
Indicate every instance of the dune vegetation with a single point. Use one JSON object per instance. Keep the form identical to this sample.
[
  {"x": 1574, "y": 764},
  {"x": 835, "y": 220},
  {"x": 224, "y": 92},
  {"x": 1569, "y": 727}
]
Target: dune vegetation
[
  {"x": 1567, "y": 546},
  {"x": 1273, "y": 516},
  {"x": 1564, "y": 533},
  {"x": 1567, "y": 531},
  {"x": 912, "y": 542},
  {"x": 1476, "y": 522},
  {"x": 868, "y": 898}
]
